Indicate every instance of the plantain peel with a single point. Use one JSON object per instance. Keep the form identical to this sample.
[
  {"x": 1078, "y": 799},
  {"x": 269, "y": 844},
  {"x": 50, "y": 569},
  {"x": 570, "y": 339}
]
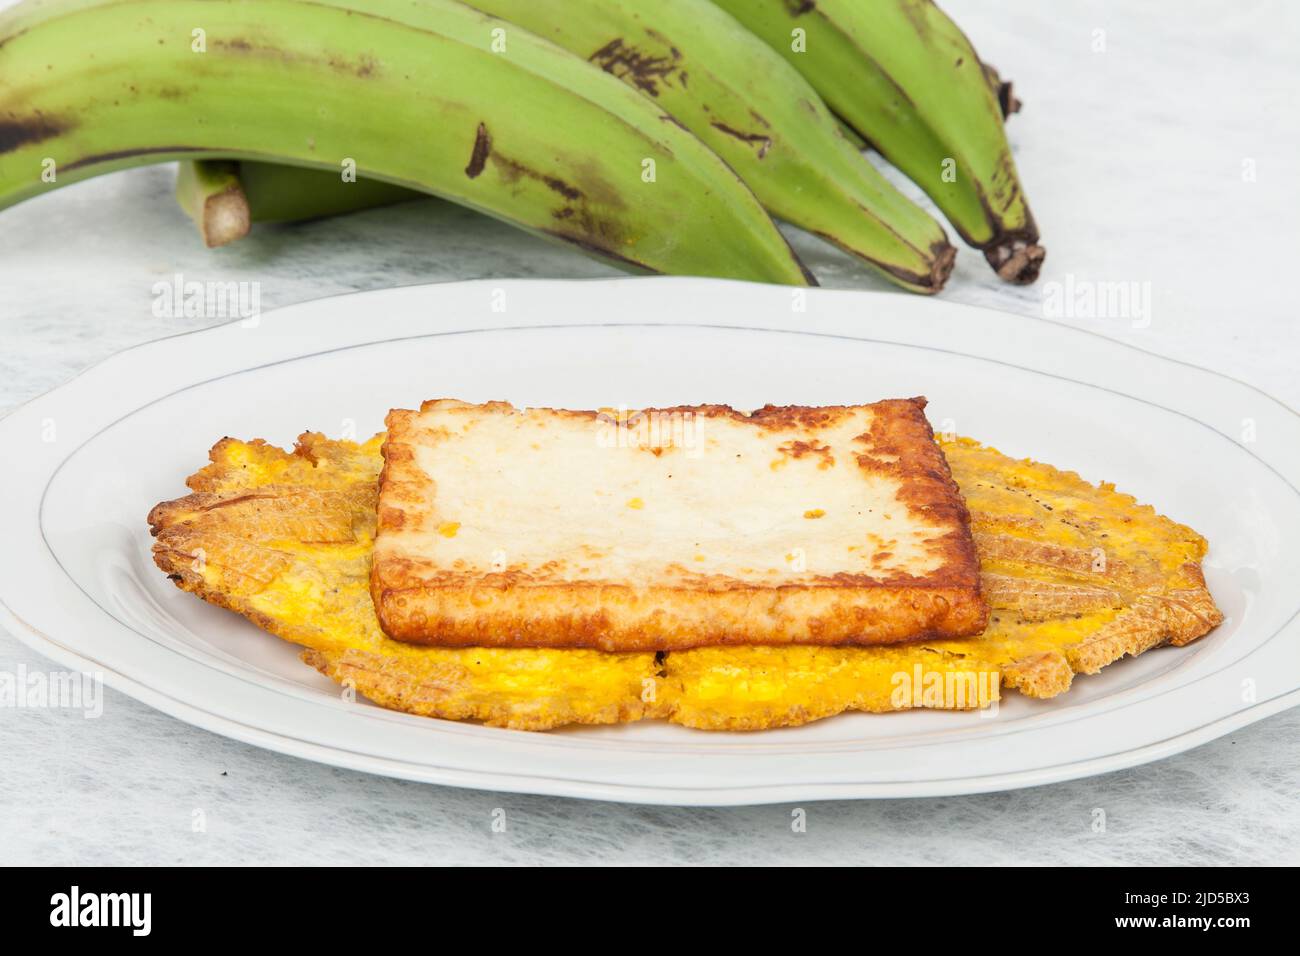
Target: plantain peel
[{"x": 1077, "y": 575}]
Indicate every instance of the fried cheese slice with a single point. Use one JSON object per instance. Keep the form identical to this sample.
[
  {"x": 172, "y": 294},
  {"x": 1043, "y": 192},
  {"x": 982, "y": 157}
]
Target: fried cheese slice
[
  {"x": 285, "y": 538},
  {"x": 1078, "y": 575},
  {"x": 670, "y": 528}
]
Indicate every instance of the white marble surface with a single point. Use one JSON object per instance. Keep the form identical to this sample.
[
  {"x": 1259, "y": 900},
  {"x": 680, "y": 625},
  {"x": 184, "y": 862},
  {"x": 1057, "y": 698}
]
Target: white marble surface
[{"x": 1133, "y": 157}]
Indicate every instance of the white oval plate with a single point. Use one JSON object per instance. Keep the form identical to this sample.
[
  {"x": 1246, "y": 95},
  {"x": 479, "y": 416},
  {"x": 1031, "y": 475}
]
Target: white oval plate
[{"x": 87, "y": 461}]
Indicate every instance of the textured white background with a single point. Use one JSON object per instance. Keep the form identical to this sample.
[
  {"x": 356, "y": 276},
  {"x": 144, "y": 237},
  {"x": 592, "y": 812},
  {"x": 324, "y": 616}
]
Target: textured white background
[{"x": 1133, "y": 158}]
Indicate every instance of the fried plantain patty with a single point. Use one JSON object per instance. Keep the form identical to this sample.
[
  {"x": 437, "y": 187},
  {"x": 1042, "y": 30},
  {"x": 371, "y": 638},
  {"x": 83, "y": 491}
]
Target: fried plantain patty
[{"x": 1077, "y": 575}]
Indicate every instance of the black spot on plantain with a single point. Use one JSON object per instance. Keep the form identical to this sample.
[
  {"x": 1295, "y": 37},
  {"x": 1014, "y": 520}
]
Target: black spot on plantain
[
  {"x": 561, "y": 187},
  {"x": 482, "y": 149},
  {"x": 15, "y": 134},
  {"x": 512, "y": 171},
  {"x": 595, "y": 248},
  {"x": 643, "y": 70},
  {"x": 764, "y": 143},
  {"x": 606, "y": 232},
  {"x": 669, "y": 118},
  {"x": 798, "y": 8},
  {"x": 363, "y": 67}
]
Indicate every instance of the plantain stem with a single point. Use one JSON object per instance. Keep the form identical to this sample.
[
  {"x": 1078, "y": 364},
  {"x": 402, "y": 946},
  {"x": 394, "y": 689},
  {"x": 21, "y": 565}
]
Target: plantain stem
[
  {"x": 210, "y": 192},
  {"x": 1016, "y": 260},
  {"x": 1003, "y": 90}
]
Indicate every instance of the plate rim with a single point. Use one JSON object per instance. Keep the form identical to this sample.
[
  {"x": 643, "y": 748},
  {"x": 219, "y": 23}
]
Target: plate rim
[
  {"x": 33, "y": 636},
  {"x": 638, "y": 793}
]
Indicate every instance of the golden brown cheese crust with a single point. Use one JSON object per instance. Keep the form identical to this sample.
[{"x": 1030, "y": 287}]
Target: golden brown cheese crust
[{"x": 650, "y": 556}]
